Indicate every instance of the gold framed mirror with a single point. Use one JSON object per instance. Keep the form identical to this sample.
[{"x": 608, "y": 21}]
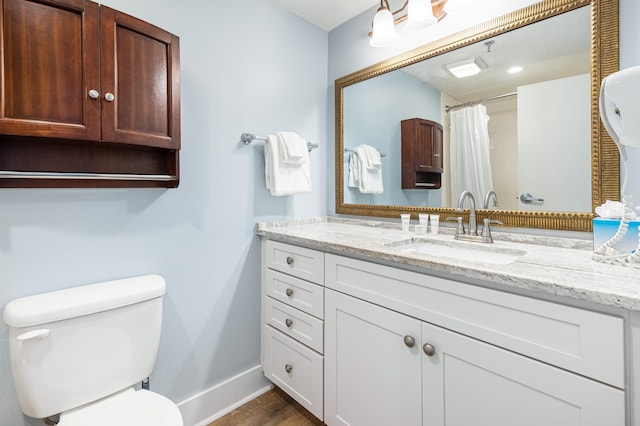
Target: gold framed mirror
[{"x": 604, "y": 167}]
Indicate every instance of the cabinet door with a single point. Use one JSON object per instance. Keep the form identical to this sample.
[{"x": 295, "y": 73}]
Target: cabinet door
[
  {"x": 51, "y": 60},
  {"x": 468, "y": 382},
  {"x": 140, "y": 82},
  {"x": 371, "y": 376},
  {"x": 428, "y": 146}
]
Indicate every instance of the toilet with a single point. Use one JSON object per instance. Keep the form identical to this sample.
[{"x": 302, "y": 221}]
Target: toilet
[{"x": 79, "y": 353}]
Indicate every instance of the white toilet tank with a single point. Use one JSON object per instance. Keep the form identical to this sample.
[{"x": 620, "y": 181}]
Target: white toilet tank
[{"x": 75, "y": 346}]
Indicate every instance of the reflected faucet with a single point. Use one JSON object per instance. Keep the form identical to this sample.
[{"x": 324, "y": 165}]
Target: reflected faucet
[
  {"x": 487, "y": 199},
  {"x": 473, "y": 226}
]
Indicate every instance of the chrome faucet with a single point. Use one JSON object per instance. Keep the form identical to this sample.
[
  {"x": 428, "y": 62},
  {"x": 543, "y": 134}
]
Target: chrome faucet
[
  {"x": 471, "y": 234},
  {"x": 487, "y": 199},
  {"x": 473, "y": 226}
]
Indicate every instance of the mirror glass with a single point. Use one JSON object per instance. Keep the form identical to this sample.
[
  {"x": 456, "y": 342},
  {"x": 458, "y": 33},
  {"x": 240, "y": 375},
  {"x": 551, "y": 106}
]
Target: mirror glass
[{"x": 541, "y": 153}]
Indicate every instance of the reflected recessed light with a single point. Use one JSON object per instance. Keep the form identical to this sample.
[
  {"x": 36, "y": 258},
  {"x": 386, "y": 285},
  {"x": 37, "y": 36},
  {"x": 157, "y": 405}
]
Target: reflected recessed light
[{"x": 514, "y": 70}]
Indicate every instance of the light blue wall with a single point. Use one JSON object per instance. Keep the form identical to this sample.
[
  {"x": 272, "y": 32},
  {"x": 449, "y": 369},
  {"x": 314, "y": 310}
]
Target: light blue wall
[
  {"x": 246, "y": 66},
  {"x": 373, "y": 110}
]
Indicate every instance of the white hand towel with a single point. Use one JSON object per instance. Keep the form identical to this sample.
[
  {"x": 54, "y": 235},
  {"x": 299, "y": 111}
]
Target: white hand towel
[
  {"x": 292, "y": 148},
  {"x": 283, "y": 178},
  {"x": 372, "y": 157}
]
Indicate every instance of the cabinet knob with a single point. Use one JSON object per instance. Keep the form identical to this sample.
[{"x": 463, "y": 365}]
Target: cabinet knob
[
  {"x": 289, "y": 292},
  {"x": 94, "y": 94},
  {"x": 288, "y": 322},
  {"x": 109, "y": 97},
  {"x": 289, "y": 260},
  {"x": 409, "y": 341},
  {"x": 288, "y": 368},
  {"x": 429, "y": 349}
]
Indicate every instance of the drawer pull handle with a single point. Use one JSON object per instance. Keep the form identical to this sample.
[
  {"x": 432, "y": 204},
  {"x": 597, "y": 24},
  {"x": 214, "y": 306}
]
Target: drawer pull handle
[
  {"x": 289, "y": 322},
  {"x": 289, "y": 260},
  {"x": 429, "y": 349},
  {"x": 288, "y": 368},
  {"x": 409, "y": 341},
  {"x": 289, "y": 292}
]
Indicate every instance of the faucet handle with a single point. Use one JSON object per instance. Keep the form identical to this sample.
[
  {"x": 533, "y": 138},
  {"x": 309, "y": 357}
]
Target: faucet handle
[
  {"x": 460, "y": 228},
  {"x": 486, "y": 229}
]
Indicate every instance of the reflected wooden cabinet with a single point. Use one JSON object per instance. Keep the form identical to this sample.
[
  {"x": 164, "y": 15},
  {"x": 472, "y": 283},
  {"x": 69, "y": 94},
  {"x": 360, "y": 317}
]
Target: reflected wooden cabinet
[
  {"x": 86, "y": 89},
  {"x": 421, "y": 154}
]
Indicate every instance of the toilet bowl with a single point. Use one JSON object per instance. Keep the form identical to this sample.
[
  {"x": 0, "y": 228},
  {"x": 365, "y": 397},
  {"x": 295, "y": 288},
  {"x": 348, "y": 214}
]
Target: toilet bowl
[{"x": 79, "y": 353}]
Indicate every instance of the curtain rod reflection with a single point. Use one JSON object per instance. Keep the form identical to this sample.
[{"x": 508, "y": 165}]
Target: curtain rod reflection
[
  {"x": 350, "y": 150},
  {"x": 477, "y": 101}
]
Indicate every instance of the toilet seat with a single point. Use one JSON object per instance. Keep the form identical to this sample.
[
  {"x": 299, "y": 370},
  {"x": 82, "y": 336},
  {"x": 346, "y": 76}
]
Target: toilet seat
[{"x": 125, "y": 408}]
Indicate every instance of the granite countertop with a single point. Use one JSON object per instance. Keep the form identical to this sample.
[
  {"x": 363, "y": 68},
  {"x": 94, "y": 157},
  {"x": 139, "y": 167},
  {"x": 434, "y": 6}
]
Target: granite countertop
[{"x": 557, "y": 266}]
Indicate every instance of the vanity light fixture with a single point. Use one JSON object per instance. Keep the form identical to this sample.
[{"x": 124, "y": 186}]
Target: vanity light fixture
[
  {"x": 467, "y": 67},
  {"x": 419, "y": 15}
]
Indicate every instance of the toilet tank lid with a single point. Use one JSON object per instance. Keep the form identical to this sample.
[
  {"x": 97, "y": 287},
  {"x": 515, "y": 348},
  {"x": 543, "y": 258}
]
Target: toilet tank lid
[{"x": 83, "y": 300}]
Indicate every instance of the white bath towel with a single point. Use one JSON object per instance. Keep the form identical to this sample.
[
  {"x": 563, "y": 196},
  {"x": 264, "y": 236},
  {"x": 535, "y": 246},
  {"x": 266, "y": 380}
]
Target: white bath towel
[
  {"x": 367, "y": 179},
  {"x": 285, "y": 178},
  {"x": 293, "y": 149}
]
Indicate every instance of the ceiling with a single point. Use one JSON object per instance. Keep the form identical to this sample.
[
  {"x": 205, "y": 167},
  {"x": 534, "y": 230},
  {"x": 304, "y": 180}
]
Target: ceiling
[
  {"x": 326, "y": 14},
  {"x": 551, "y": 49}
]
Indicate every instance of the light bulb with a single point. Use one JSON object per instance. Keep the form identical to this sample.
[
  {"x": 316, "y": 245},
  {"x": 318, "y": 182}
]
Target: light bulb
[
  {"x": 384, "y": 29},
  {"x": 419, "y": 15}
]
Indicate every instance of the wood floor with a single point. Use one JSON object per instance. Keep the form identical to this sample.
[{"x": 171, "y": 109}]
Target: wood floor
[{"x": 274, "y": 408}]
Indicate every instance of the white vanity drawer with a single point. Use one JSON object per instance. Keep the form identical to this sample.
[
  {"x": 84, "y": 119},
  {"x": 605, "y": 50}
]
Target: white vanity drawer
[
  {"x": 295, "y": 368},
  {"x": 306, "y": 296},
  {"x": 294, "y": 323},
  {"x": 582, "y": 341},
  {"x": 297, "y": 261}
]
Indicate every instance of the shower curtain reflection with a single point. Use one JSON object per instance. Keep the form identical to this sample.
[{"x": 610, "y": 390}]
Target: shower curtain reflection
[{"x": 470, "y": 152}]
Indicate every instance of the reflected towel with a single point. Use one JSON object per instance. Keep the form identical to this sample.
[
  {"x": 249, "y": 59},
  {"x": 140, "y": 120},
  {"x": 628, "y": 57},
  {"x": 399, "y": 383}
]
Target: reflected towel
[
  {"x": 367, "y": 179},
  {"x": 354, "y": 170},
  {"x": 371, "y": 157},
  {"x": 285, "y": 178}
]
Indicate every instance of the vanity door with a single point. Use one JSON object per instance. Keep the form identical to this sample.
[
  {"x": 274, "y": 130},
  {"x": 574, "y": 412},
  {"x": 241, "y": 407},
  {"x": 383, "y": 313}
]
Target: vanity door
[
  {"x": 469, "y": 382},
  {"x": 372, "y": 365}
]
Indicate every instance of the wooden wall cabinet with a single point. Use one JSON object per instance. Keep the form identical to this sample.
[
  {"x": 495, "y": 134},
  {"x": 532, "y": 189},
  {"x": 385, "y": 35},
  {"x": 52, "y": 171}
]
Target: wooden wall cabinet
[
  {"x": 87, "y": 89},
  {"x": 421, "y": 154}
]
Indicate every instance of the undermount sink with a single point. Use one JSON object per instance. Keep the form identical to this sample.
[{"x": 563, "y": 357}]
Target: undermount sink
[{"x": 473, "y": 252}]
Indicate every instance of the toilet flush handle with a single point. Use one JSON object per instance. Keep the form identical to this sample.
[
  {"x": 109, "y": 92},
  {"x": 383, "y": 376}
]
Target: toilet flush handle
[{"x": 39, "y": 333}]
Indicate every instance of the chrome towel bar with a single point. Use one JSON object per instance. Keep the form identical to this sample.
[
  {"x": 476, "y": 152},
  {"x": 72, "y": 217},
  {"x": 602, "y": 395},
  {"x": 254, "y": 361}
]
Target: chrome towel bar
[
  {"x": 8, "y": 174},
  {"x": 247, "y": 138},
  {"x": 351, "y": 150}
]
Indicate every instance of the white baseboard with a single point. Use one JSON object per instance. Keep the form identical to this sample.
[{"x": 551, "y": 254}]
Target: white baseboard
[{"x": 213, "y": 403}]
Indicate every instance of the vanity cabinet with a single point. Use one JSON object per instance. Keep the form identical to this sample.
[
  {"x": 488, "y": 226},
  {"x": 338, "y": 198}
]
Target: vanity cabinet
[
  {"x": 422, "y": 162},
  {"x": 418, "y": 373},
  {"x": 293, "y": 322},
  {"x": 86, "y": 89},
  {"x": 407, "y": 348},
  {"x": 425, "y": 350}
]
